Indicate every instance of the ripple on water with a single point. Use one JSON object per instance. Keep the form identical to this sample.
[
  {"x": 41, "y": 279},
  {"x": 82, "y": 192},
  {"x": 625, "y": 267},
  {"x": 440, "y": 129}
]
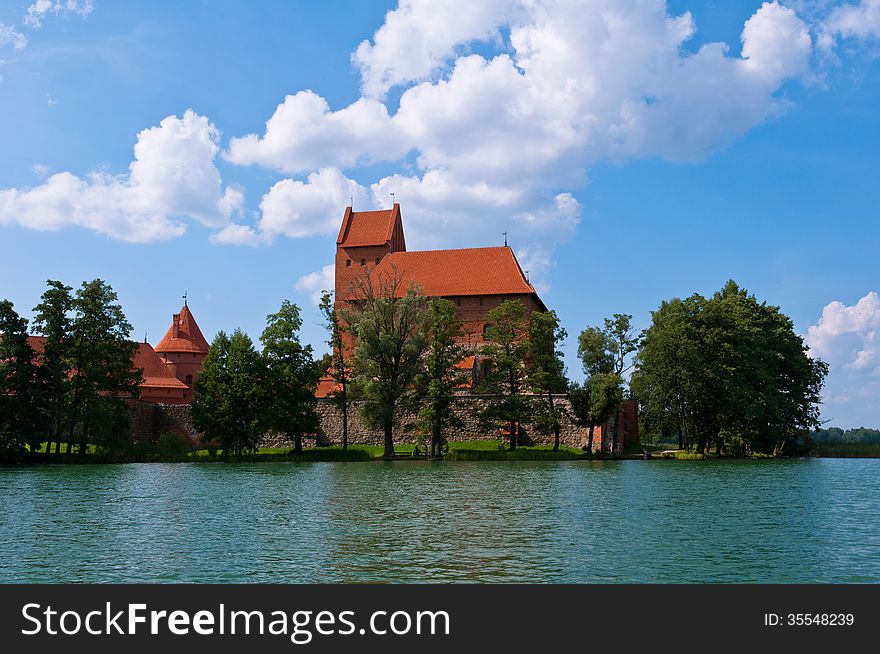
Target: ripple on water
[{"x": 627, "y": 521}]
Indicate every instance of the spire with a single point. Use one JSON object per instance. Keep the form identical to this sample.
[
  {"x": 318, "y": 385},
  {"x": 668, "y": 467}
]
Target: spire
[{"x": 183, "y": 335}]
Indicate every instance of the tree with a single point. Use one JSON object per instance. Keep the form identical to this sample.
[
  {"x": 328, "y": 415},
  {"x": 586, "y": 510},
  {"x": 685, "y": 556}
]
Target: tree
[
  {"x": 101, "y": 358},
  {"x": 339, "y": 365},
  {"x": 388, "y": 322},
  {"x": 546, "y": 370},
  {"x": 596, "y": 401},
  {"x": 505, "y": 369},
  {"x": 17, "y": 372},
  {"x": 52, "y": 320},
  {"x": 604, "y": 352},
  {"x": 441, "y": 376},
  {"x": 292, "y": 375},
  {"x": 673, "y": 399},
  {"x": 229, "y": 400},
  {"x": 730, "y": 372}
]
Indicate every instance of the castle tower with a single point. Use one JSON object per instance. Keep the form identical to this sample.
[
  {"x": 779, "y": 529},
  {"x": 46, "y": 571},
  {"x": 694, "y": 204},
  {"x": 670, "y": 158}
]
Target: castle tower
[
  {"x": 365, "y": 238},
  {"x": 183, "y": 348}
]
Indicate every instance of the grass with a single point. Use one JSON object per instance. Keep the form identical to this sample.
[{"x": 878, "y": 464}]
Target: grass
[{"x": 846, "y": 450}]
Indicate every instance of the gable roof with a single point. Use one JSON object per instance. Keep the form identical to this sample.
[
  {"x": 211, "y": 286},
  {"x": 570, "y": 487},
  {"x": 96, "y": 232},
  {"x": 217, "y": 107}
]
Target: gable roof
[
  {"x": 156, "y": 373},
  {"x": 184, "y": 335},
  {"x": 365, "y": 228},
  {"x": 449, "y": 273}
]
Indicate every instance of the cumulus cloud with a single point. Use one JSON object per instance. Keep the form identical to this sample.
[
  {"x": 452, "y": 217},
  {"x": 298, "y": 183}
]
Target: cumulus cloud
[
  {"x": 848, "y": 338},
  {"x": 501, "y": 141},
  {"x": 303, "y": 134},
  {"x": 171, "y": 177},
  {"x": 418, "y": 37},
  {"x": 39, "y": 10},
  {"x": 237, "y": 234},
  {"x": 316, "y": 282},
  {"x": 9, "y": 36},
  {"x": 297, "y": 209},
  {"x": 849, "y": 335}
]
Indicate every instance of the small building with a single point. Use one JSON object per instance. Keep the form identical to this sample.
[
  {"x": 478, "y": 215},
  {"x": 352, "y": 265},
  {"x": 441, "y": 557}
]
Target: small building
[{"x": 183, "y": 348}]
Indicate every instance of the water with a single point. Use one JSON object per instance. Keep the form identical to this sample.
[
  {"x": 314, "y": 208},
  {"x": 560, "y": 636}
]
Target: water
[{"x": 622, "y": 521}]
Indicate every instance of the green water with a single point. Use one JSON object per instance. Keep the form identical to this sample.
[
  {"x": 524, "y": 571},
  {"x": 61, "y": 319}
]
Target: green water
[{"x": 622, "y": 521}]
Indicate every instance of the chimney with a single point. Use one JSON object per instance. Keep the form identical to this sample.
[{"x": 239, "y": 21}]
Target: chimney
[{"x": 175, "y": 325}]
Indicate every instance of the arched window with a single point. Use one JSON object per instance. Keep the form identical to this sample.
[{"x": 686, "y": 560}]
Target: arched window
[
  {"x": 363, "y": 262},
  {"x": 189, "y": 380},
  {"x": 348, "y": 263}
]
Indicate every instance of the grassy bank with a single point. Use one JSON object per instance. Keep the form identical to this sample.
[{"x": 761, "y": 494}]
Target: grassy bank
[{"x": 846, "y": 450}]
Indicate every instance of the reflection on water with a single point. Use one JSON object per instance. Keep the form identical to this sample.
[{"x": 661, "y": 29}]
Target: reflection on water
[{"x": 579, "y": 521}]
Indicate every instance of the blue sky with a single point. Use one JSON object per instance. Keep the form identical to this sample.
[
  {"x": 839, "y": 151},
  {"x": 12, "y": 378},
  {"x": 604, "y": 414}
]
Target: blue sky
[{"x": 629, "y": 154}]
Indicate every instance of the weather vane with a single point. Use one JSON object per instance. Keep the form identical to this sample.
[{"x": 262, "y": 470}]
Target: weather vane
[
  {"x": 184, "y": 297},
  {"x": 505, "y": 239},
  {"x": 392, "y": 198}
]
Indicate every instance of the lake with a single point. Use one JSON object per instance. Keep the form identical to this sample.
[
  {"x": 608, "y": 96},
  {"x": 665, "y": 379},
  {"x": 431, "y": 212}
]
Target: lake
[{"x": 779, "y": 521}]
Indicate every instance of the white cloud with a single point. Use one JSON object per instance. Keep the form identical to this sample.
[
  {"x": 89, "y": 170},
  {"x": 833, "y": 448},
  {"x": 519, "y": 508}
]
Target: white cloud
[
  {"x": 303, "y": 134},
  {"x": 38, "y": 11},
  {"x": 171, "y": 177},
  {"x": 297, "y": 209},
  {"x": 41, "y": 170},
  {"x": 316, "y": 282},
  {"x": 419, "y": 36},
  {"x": 10, "y": 36},
  {"x": 860, "y": 20},
  {"x": 848, "y": 338},
  {"x": 236, "y": 234},
  {"x": 849, "y": 335},
  {"x": 497, "y": 139}
]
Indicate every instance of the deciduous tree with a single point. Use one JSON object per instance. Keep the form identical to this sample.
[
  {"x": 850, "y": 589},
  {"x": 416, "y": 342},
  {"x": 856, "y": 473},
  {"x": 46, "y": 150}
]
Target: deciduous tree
[
  {"x": 507, "y": 337},
  {"x": 546, "y": 370},
  {"x": 292, "y": 375}
]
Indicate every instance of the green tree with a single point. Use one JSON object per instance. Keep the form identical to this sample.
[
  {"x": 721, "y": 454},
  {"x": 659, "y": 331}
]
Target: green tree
[
  {"x": 674, "y": 397},
  {"x": 441, "y": 377},
  {"x": 17, "y": 373},
  {"x": 505, "y": 380},
  {"x": 388, "y": 322},
  {"x": 230, "y": 395},
  {"x": 52, "y": 320},
  {"x": 292, "y": 375},
  {"x": 728, "y": 372},
  {"x": 605, "y": 352},
  {"x": 596, "y": 401},
  {"x": 339, "y": 366},
  {"x": 101, "y": 359},
  {"x": 546, "y": 370}
]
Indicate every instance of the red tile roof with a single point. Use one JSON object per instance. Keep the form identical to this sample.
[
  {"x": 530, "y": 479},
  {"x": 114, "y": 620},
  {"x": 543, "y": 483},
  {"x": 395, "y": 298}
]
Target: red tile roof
[
  {"x": 449, "y": 273},
  {"x": 184, "y": 335},
  {"x": 365, "y": 228},
  {"x": 156, "y": 373}
]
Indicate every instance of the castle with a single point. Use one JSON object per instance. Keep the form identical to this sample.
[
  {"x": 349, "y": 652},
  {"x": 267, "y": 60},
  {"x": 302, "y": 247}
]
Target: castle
[{"x": 372, "y": 243}]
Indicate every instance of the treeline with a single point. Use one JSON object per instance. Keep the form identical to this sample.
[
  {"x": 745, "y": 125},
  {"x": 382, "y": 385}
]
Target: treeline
[
  {"x": 858, "y": 436},
  {"x": 724, "y": 373},
  {"x": 68, "y": 390}
]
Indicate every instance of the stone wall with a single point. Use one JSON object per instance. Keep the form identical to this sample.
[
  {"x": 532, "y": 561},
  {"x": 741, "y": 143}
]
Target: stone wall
[
  {"x": 149, "y": 420},
  {"x": 467, "y": 407}
]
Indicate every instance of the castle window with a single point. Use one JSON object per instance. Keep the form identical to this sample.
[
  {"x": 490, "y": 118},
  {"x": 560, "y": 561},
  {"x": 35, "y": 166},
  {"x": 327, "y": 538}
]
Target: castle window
[
  {"x": 378, "y": 259},
  {"x": 458, "y": 301},
  {"x": 363, "y": 262},
  {"x": 481, "y": 301},
  {"x": 348, "y": 263},
  {"x": 189, "y": 380}
]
